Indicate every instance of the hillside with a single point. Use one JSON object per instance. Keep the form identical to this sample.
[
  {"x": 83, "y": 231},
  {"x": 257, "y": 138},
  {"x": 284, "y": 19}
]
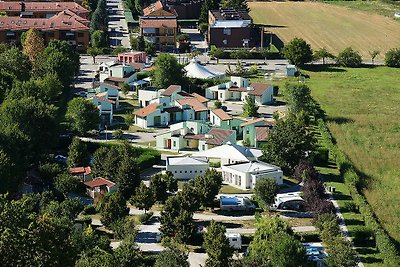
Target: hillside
[{"x": 330, "y": 26}]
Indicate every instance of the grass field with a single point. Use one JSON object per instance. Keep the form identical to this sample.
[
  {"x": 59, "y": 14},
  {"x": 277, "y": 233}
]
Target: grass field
[
  {"x": 384, "y": 8},
  {"x": 331, "y": 26},
  {"x": 363, "y": 110}
]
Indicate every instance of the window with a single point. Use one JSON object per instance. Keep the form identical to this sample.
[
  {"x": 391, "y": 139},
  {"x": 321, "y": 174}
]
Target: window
[
  {"x": 220, "y": 95},
  {"x": 174, "y": 143},
  {"x": 247, "y": 131},
  {"x": 180, "y": 171},
  {"x": 234, "y": 239},
  {"x": 204, "y": 148},
  {"x": 227, "y": 31},
  {"x": 195, "y": 171},
  {"x": 190, "y": 171},
  {"x": 185, "y": 171},
  {"x": 175, "y": 171},
  {"x": 201, "y": 171},
  {"x": 187, "y": 143}
]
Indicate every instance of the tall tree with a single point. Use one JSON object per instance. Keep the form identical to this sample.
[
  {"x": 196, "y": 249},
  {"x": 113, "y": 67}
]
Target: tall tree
[
  {"x": 66, "y": 183},
  {"x": 128, "y": 254},
  {"x": 217, "y": 245},
  {"x": 250, "y": 108},
  {"x": 113, "y": 208},
  {"x": 98, "y": 39},
  {"x": 143, "y": 198},
  {"x": 287, "y": 144},
  {"x": 205, "y": 8},
  {"x": 265, "y": 192},
  {"x": 127, "y": 176},
  {"x": 172, "y": 257},
  {"x": 9, "y": 180},
  {"x": 208, "y": 186},
  {"x": 298, "y": 52},
  {"x": 299, "y": 99},
  {"x": 374, "y": 54},
  {"x": 159, "y": 187},
  {"x": 323, "y": 54},
  {"x": 94, "y": 52},
  {"x": 33, "y": 47},
  {"x": 78, "y": 155},
  {"x": 82, "y": 115},
  {"x": 167, "y": 71},
  {"x": 15, "y": 63}
]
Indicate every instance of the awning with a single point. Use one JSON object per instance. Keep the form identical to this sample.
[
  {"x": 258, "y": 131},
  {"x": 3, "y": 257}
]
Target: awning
[{"x": 138, "y": 83}]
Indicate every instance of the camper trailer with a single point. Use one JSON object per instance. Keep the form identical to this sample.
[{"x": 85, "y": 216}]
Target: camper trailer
[
  {"x": 288, "y": 201},
  {"x": 236, "y": 204},
  {"x": 235, "y": 240}
]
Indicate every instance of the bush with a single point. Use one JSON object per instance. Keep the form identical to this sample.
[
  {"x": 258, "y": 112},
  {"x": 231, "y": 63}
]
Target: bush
[
  {"x": 215, "y": 164},
  {"x": 362, "y": 236},
  {"x": 89, "y": 209},
  {"x": 350, "y": 206},
  {"x": 145, "y": 218},
  {"x": 392, "y": 58},
  {"x": 148, "y": 159},
  {"x": 321, "y": 156},
  {"x": 349, "y": 58}
]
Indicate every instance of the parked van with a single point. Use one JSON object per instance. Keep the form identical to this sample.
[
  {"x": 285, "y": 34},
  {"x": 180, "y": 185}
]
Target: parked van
[
  {"x": 236, "y": 204},
  {"x": 288, "y": 201}
]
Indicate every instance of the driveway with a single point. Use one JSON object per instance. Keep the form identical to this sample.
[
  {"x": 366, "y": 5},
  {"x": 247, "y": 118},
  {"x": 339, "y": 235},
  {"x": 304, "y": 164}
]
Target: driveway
[{"x": 117, "y": 26}]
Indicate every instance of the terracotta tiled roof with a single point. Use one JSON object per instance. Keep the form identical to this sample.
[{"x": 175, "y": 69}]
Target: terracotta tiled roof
[
  {"x": 191, "y": 101},
  {"x": 259, "y": 88},
  {"x": 251, "y": 122},
  {"x": 219, "y": 136},
  {"x": 201, "y": 98},
  {"x": 262, "y": 133},
  {"x": 116, "y": 79},
  {"x": 80, "y": 170},
  {"x": 152, "y": 8},
  {"x": 158, "y": 23},
  {"x": 62, "y": 21},
  {"x": 43, "y": 7},
  {"x": 104, "y": 99},
  {"x": 143, "y": 112},
  {"x": 171, "y": 89},
  {"x": 110, "y": 85},
  {"x": 102, "y": 94},
  {"x": 99, "y": 182},
  {"x": 136, "y": 66},
  {"x": 221, "y": 114},
  {"x": 237, "y": 89}
]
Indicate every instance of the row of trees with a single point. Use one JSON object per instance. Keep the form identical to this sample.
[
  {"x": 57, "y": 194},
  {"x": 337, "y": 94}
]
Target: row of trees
[{"x": 299, "y": 52}]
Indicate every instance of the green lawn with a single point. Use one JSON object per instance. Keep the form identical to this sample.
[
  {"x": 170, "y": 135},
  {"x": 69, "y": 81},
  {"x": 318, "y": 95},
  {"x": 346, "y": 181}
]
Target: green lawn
[
  {"x": 228, "y": 189},
  {"x": 384, "y": 8},
  {"x": 362, "y": 107}
]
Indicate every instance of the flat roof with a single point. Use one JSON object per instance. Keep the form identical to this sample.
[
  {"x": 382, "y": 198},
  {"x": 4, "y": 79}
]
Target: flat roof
[{"x": 254, "y": 166}]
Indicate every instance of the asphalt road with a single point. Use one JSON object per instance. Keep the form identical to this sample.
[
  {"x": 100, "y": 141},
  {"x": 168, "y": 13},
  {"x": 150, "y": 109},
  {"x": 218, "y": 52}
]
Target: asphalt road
[{"x": 117, "y": 26}]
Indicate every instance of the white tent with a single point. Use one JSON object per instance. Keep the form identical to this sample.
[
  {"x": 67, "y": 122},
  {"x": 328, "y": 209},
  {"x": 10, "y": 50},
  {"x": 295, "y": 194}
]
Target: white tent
[
  {"x": 231, "y": 152},
  {"x": 195, "y": 70}
]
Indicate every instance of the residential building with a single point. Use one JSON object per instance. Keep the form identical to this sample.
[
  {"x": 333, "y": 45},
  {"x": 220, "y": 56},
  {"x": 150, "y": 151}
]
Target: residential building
[
  {"x": 42, "y": 10},
  {"x": 132, "y": 57},
  {"x": 159, "y": 26},
  {"x": 66, "y": 26},
  {"x": 100, "y": 186},
  {"x": 185, "y": 168},
  {"x": 117, "y": 73},
  {"x": 223, "y": 120},
  {"x": 112, "y": 93},
  {"x": 246, "y": 175},
  {"x": 105, "y": 107},
  {"x": 83, "y": 173},
  {"x": 231, "y": 28},
  {"x": 238, "y": 88},
  {"x": 164, "y": 107},
  {"x": 256, "y": 131}
]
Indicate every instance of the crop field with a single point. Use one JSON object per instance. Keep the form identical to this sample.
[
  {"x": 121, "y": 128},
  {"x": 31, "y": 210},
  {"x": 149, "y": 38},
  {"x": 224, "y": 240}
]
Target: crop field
[
  {"x": 363, "y": 110},
  {"x": 332, "y": 26}
]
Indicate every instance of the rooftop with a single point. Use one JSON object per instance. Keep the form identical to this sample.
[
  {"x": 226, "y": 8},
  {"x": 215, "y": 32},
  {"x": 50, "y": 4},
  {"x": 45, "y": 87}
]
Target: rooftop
[
  {"x": 253, "y": 167},
  {"x": 158, "y": 23},
  {"x": 171, "y": 89},
  {"x": 143, "y": 112},
  {"x": 262, "y": 132},
  {"x": 230, "y": 14},
  {"x": 80, "y": 170},
  {"x": 42, "y": 7},
  {"x": 231, "y": 151},
  {"x": 152, "y": 8},
  {"x": 193, "y": 102},
  {"x": 221, "y": 114},
  {"x": 99, "y": 182},
  {"x": 186, "y": 161},
  {"x": 259, "y": 88}
]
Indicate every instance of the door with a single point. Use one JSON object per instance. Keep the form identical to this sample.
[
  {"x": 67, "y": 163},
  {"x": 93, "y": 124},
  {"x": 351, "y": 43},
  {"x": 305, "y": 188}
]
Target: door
[
  {"x": 157, "y": 120},
  {"x": 169, "y": 143}
]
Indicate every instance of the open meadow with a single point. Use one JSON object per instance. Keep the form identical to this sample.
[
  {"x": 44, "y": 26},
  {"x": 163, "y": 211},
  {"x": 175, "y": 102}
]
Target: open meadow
[
  {"x": 332, "y": 26},
  {"x": 363, "y": 110}
]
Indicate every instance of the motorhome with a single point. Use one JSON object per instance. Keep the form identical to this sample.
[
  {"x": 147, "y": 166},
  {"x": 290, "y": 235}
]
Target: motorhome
[
  {"x": 235, "y": 240},
  {"x": 236, "y": 204},
  {"x": 288, "y": 201}
]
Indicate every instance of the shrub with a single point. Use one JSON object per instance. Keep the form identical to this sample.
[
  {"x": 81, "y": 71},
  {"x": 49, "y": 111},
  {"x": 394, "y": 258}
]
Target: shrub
[
  {"x": 392, "y": 58},
  {"x": 123, "y": 227},
  {"x": 350, "y": 206},
  {"x": 321, "y": 156},
  {"x": 148, "y": 159},
  {"x": 349, "y": 58},
  {"x": 217, "y": 104},
  {"x": 89, "y": 209},
  {"x": 145, "y": 218},
  {"x": 215, "y": 164},
  {"x": 362, "y": 235}
]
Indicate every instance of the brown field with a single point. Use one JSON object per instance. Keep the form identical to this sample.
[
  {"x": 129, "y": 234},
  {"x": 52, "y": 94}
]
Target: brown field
[{"x": 330, "y": 26}]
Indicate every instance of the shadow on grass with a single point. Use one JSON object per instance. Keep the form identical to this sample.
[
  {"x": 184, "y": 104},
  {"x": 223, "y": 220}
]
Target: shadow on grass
[
  {"x": 339, "y": 120},
  {"x": 340, "y": 196},
  {"x": 323, "y": 68},
  {"x": 354, "y": 222}
]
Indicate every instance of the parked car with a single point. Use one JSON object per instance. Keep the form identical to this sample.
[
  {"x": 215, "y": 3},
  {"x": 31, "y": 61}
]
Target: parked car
[{"x": 81, "y": 94}]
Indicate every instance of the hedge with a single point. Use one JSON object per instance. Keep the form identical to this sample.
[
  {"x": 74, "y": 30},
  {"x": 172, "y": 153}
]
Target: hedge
[{"x": 384, "y": 244}]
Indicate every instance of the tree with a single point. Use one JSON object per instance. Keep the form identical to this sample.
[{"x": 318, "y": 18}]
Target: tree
[
  {"x": 48, "y": 171},
  {"x": 159, "y": 187},
  {"x": 66, "y": 183},
  {"x": 299, "y": 99},
  {"x": 33, "y": 46},
  {"x": 349, "y": 58},
  {"x": 274, "y": 245},
  {"x": 106, "y": 161},
  {"x": 113, "y": 208},
  {"x": 167, "y": 71},
  {"x": 98, "y": 39},
  {"x": 240, "y": 54},
  {"x": 9, "y": 180},
  {"x": 189, "y": 197},
  {"x": 287, "y": 144},
  {"x": 128, "y": 254},
  {"x": 341, "y": 253},
  {"x": 15, "y": 63},
  {"x": 175, "y": 221},
  {"x": 217, "y": 53},
  {"x": 170, "y": 182},
  {"x": 82, "y": 115},
  {"x": 217, "y": 104},
  {"x": 298, "y": 52},
  {"x": 392, "y": 58},
  {"x": 374, "y": 54},
  {"x": 78, "y": 154},
  {"x": 127, "y": 175},
  {"x": 118, "y": 49},
  {"x": 125, "y": 88},
  {"x": 323, "y": 54},
  {"x": 208, "y": 186},
  {"x": 143, "y": 198},
  {"x": 217, "y": 245},
  {"x": 235, "y": 4},
  {"x": 172, "y": 257},
  {"x": 305, "y": 171},
  {"x": 94, "y": 52},
  {"x": 250, "y": 108},
  {"x": 207, "y": 5},
  {"x": 266, "y": 53},
  {"x": 118, "y": 134},
  {"x": 97, "y": 257},
  {"x": 265, "y": 192}
]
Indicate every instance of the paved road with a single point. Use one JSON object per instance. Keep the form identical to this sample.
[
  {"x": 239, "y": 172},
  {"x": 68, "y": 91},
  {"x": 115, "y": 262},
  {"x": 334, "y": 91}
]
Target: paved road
[{"x": 117, "y": 26}]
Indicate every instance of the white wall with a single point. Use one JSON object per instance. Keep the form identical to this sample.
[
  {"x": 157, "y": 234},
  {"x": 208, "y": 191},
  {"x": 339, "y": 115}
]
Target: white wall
[
  {"x": 186, "y": 171},
  {"x": 214, "y": 119},
  {"x": 141, "y": 122},
  {"x": 146, "y": 95}
]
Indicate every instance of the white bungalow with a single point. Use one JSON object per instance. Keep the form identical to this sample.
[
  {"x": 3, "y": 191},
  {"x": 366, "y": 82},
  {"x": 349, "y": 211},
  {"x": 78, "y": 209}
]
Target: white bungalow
[{"x": 186, "y": 167}]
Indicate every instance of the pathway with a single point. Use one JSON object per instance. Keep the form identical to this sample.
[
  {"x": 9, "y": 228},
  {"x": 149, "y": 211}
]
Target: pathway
[{"x": 117, "y": 26}]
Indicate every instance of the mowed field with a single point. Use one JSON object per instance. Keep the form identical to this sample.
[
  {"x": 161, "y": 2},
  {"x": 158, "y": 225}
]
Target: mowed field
[
  {"x": 330, "y": 26},
  {"x": 363, "y": 109}
]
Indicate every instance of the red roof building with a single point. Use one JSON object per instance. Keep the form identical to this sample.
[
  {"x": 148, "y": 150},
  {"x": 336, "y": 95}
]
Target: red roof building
[{"x": 100, "y": 186}]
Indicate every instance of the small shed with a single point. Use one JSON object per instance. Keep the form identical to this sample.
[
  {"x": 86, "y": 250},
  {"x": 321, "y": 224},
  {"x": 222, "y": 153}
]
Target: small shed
[{"x": 185, "y": 168}]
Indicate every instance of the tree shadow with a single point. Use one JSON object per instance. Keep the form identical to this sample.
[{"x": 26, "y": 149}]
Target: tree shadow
[
  {"x": 339, "y": 120},
  {"x": 354, "y": 222},
  {"x": 323, "y": 68}
]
